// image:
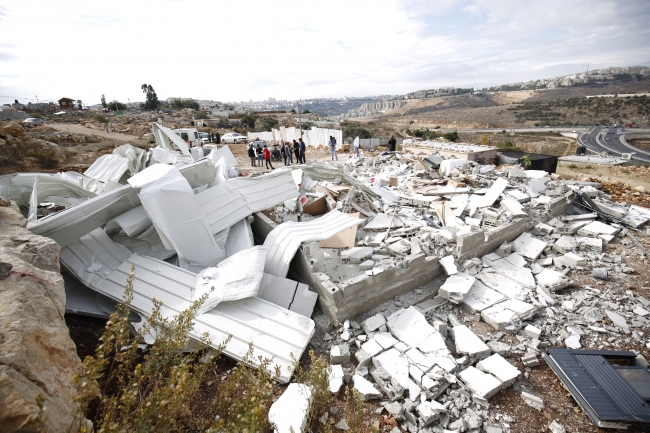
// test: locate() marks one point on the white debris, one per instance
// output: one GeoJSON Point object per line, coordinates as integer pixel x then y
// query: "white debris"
{"type": "Point", "coordinates": [456, 287]}
{"type": "Point", "coordinates": [291, 411]}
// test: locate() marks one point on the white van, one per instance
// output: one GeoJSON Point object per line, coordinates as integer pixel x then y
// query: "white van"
{"type": "Point", "coordinates": [189, 135]}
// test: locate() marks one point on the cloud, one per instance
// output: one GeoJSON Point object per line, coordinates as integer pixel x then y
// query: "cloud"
{"type": "Point", "coordinates": [290, 49]}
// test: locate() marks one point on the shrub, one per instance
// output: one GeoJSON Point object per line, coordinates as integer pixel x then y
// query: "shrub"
{"type": "Point", "coordinates": [249, 120]}
{"type": "Point", "coordinates": [451, 136]}
{"type": "Point", "coordinates": [100, 118]}
{"type": "Point", "coordinates": [573, 166]}
{"type": "Point", "coordinates": [437, 127]}
{"type": "Point", "coordinates": [307, 125]}
{"type": "Point", "coordinates": [200, 115]}
{"type": "Point", "coordinates": [588, 167]}
{"type": "Point", "coordinates": [47, 158]}
{"type": "Point", "coordinates": [268, 123]}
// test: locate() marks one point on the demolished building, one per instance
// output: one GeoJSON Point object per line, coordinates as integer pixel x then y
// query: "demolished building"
{"type": "Point", "coordinates": [351, 239]}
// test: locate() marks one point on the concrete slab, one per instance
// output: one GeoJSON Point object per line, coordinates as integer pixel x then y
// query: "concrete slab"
{"type": "Point", "coordinates": [290, 412]}
{"type": "Point", "coordinates": [456, 287]}
{"type": "Point", "coordinates": [523, 309]}
{"type": "Point", "coordinates": [365, 388]}
{"type": "Point", "coordinates": [498, 317]}
{"type": "Point", "coordinates": [397, 366]}
{"type": "Point", "coordinates": [480, 297]}
{"type": "Point", "coordinates": [434, 343]}
{"type": "Point", "coordinates": [339, 353]}
{"type": "Point", "coordinates": [467, 343]}
{"type": "Point", "coordinates": [529, 247]}
{"type": "Point", "coordinates": [519, 275]}
{"type": "Point", "coordinates": [498, 367]}
{"type": "Point", "coordinates": [410, 327]}
{"type": "Point", "coordinates": [356, 254]}
{"type": "Point", "coordinates": [430, 411]}
{"type": "Point", "coordinates": [431, 304]}
{"type": "Point", "coordinates": [516, 260]}
{"type": "Point", "coordinates": [595, 228]}
{"type": "Point", "coordinates": [448, 265]}
{"type": "Point", "coordinates": [510, 289]}
{"type": "Point", "coordinates": [335, 379]}
{"type": "Point", "coordinates": [482, 384]}
{"type": "Point", "coordinates": [420, 360]}
{"type": "Point", "coordinates": [371, 347]}
{"type": "Point", "coordinates": [385, 340]}
{"type": "Point", "coordinates": [565, 244]}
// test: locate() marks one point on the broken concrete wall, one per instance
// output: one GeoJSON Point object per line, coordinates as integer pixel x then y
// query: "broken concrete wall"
{"type": "Point", "coordinates": [37, 355]}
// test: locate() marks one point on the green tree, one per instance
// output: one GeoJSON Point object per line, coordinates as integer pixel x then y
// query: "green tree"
{"type": "Point", "coordinates": [352, 129]}
{"type": "Point", "coordinates": [268, 123]}
{"type": "Point", "coordinates": [249, 120]}
{"type": "Point", "coordinates": [292, 111]}
{"type": "Point", "coordinates": [79, 103]}
{"type": "Point", "coordinates": [484, 140]}
{"type": "Point", "coordinates": [152, 99]}
{"type": "Point", "coordinates": [451, 136]}
{"type": "Point", "coordinates": [306, 111]}
{"type": "Point", "coordinates": [104, 101]}
{"type": "Point", "coordinates": [116, 105]}
{"type": "Point", "coordinates": [191, 103]}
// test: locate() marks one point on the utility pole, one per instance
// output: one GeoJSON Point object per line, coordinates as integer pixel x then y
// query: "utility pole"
{"type": "Point", "coordinates": [299, 119]}
{"type": "Point", "coordinates": [587, 65]}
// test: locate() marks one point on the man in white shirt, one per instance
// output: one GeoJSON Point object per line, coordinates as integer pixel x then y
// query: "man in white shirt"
{"type": "Point", "coordinates": [356, 145]}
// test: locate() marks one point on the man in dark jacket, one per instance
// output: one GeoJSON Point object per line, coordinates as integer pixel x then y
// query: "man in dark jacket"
{"type": "Point", "coordinates": [296, 150]}
{"type": "Point", "coordinates": [303, 150]}
{"type": "Point", "coordinates": [251, 154]}
{"type": "Point", "coordinates": [260, 155]}
{"type": "Point", "coordinates": [392, 143]}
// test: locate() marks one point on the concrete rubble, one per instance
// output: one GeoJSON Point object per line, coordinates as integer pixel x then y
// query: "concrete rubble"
{"type": "Point", "coordinates": [506, 244]}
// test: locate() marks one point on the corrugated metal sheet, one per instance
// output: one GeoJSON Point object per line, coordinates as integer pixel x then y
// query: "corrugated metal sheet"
{"type": "Point", "coordinates": [283, 241]}
{"type": "Point", "coordinates": [50, 188]}
{"type": "Point", "coordinates": [240, 237]}
{"type": "Point", "coordinates": [70, 224]}
{"type": "Point", "coordinates": [235, 199]}
{"type": "Point", "coordinates": [108, 168]}
{"type": "Point", "coordinates": [274, 331]}
{"type": "Point", "coordinates": [164, 135]}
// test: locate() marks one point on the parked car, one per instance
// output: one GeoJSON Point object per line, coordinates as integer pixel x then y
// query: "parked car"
{"type": "Point", "coordinates": [33, 120]}
{"type": "Point", "coordinates": [233, 137]}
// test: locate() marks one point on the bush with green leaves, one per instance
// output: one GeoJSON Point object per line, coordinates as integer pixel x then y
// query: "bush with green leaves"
{"type": "Point", "coordinates": [451, 136]}
{"type": "Point", "coordinates": [100, 118]}
{"type": "Point", "coordinates": [200, 115]}
{"type": "Point", "coordinates": [116, 106]}
{"type": "Point", "coordinates": [268, 123]}
{"type": "Point", "coordinates": [354, 129]}
{"type": "Point", "coordinates": [249, 120]}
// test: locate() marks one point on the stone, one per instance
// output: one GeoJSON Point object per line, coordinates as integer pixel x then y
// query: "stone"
{"type": "Point", "coordinates": [335, 379]}
{"type": "Point", "coordinates": [456, 287]}
{"type": "Point", "coordinates": [467, 343]}
{"type": "Point", "coordinates": [483, 384]}
{"type": "Point", "coordinates": [480, 297]}
{"type": "Point", "coordinates": [498, 367]}
{"type": "Point", "coordinates": [448, 265]}
{"type": "Point", "coordinates": [291, 411]}
{"type": "Point", "coordinates": [533, 401]}
{"type": "Point", "coordinates": [430, 411]}
{"type": "Point", "coordinates": [372, 323]}
{"type": "Point", "coordinates": [37, 355]}
{"type": "Point", "coordinates": [528, 246]}
{"type": "Point", "coordinates": [556, 427]}
{"type": "Point", "coordinates": [410, 326]}
{"type": "Point", "coordinates": [342, 425]}
{"type": "Point", "coordinates": [5, 268]}
{"type": "Point", "coordinates": [339, 353]}
{"type": "Point", "coordinates": [365, 388]}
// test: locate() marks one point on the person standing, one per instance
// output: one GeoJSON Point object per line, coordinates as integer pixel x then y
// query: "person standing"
{"type": "Point", "coordinates": [333, 148]}
{"type": "Point", "coordinates": [260, 155]}
{"type": "Point", "coordinates": [267, 157]}
{"type": "Point", "coordinates": [218, 139]}
{"type": "Point", "coordinates": [282, 154]}
{"type": "Point", "coordinates": [392, 143]}
{"type": "Point", "coordinates": [303, 151]}
{"type": "Point", "coordinates": [251, 154]}
{"type": "Point", "coordinates": [296, 150]}
{"type": "Point", "coordinates": [356, 145]}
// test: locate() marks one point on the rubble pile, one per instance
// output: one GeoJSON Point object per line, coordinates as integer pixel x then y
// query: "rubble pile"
{"type": "Point", "coordinates": [14, 135]}
{"type": "Point", "coordinates": [622, 192]}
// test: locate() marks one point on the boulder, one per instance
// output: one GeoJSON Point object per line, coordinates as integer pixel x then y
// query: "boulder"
{"type": "Point", "coordinates": [37, 355]}
{"type": "Point", "coordinates": [14, 129]}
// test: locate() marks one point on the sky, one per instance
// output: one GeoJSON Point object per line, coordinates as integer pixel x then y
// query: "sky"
{"type": "Point", "coordinates": [252, 50]}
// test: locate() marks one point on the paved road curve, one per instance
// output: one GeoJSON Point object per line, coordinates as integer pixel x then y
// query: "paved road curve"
{"type": "Point", "coordinates": [612, 141]}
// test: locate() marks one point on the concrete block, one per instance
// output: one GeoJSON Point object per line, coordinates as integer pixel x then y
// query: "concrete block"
{"type": "Point", "coordinates": [356, 254]}
{"type": "Point", "coordinates": [482, 384]}
{"type": "Point", "coordinates": [552, 280]}
{"type": "Point", "coordinates": [430, 411]}
{"type": "Point", "coordinates": [372, 323]}
{"type": "Point", "coordinates": [565, 244]}
{"type": "Point", "coordinates": [410, 327]}
{"type": "Point", "coordinates": [441, 327]}
{"type": "Point", "coordinates": [498, 367]}
{"type": "Point", "coordinates": [574, 260]}
{"type": "Point", "coordinates": [456, 287]}
{"type": "Point", "coordinates": [290, 412]}
{"type": "Point", "coordinates": [371, 347]}
{"type": "Point", "coordinates": [467, 343]}
{"type": "Point", "coordinates": [595, 228]}
{"type": "Point", "coordinates": [502, 349]}
{"type": "Point", "coordinates": [533, 332]}
{"type": "Point", "coordinates": [530, 360]}
{"type": "Point", "coordinates": [480, 297]}
{"type": "Point", "coordinates": [591, 244]}
{"type": "Point", "coordinates": [498, 317]}
{"type": "Point", "coordinates": [365, 388]}
{"type": "Point", "coordinates": [397, 367]}
{"type": "Point", "coordinates": [529, 247]}
{"type": "Point", "coordinates": [387, 384]}
{"type": "Point", "coordinates": [533, 401]}
{"type": "Point", "coordinates": [339, 353]}
{"type": "Point", "coordinates": [448, 265]}
{"type": "Point", "coordinates": [335, 379]}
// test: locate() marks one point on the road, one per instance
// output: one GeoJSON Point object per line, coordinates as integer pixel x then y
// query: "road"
{"type": "Point", "coordinates": [612, 141]}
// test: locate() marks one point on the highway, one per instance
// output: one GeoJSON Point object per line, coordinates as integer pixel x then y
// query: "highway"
{"type": "Point", "coordinates": [612, 141]}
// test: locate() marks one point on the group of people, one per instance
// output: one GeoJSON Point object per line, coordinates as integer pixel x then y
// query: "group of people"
{"type": "Point", "coordinates": [214, 138]}
{"type": "Point", "coordinates": [287, 150]}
